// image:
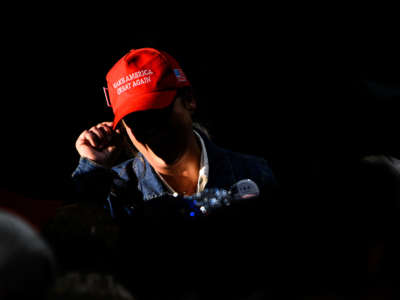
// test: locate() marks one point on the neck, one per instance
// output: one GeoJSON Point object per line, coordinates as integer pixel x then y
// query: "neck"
{"type": "Point", "coordinates": [182, 175]}
{"type": "Point", "coordinates": [186, 165]}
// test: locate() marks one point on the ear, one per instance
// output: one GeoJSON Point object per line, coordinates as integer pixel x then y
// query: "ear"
{"type": "Point", "coordinates": [190, 104]}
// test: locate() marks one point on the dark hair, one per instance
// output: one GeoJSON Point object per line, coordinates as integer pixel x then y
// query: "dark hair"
{"type": "Point", "coordinates": [187, 93]}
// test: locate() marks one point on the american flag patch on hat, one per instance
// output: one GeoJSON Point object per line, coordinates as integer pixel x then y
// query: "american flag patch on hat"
{"type": "Point", "coordinates": [180, 75]}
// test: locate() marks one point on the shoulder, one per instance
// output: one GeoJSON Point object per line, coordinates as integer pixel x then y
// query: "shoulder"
{"type": "Point", "coordinates": [252, 167]}
{"type": "Point", "coordinates": [131, 169]}
{"type": "Point", "coordinates": [242, 165]}
{"type": "Point", "coordinates": [125, 170]}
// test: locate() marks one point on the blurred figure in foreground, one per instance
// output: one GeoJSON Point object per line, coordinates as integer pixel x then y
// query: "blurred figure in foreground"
{"type": "Point", "coordinates": [27, 264]}
{"type": "Point", "coordinates": [91, 286]}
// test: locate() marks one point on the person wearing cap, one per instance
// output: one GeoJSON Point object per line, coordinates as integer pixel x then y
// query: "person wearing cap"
{"type": "Point", "coordinates": [153, 106]}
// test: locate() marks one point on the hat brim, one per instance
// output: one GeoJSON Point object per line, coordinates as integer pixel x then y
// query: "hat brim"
{"type": "Point", "coordinates": [154, 100]}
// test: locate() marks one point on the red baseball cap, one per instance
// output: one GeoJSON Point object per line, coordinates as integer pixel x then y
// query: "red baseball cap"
{"type": "Point", "coordinates": [143, 79]}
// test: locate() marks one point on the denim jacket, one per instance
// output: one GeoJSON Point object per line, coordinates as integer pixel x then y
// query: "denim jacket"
{"type": "Point", "coordinates": [127, 187]}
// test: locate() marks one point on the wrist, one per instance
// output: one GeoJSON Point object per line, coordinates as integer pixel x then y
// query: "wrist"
{"type": "Point", "coordinates": [95, 164]}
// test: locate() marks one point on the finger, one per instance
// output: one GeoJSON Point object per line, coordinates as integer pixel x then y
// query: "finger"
{"type": "Point", "coordinates": [111, 149]}
{"type": "Point", "coordinates": [81, 139]}
{"type": "Point", "coordinates": [99, 133]}
{"type": "Point", "coordinates": [107, 131]}
{"type": "Point", "coordinates": [106, 137]}
{"type": "Point", "coordinates": [108, 124]}
{"type": "Point", "coordinates": [92, 139]}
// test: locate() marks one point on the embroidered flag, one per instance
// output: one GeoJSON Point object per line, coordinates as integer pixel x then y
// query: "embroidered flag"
{"type": "Point", "coordinates": [180, 76]}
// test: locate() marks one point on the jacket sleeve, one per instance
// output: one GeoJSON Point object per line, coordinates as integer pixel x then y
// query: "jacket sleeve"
{"type": "Point", "coordinates": [91, 181]}
{"type": "Point", "coordinates": [97, 184]}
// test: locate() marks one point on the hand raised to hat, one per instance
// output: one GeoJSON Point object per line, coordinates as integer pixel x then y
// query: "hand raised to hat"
{"type": "Point", "coordinates": [100, 144]}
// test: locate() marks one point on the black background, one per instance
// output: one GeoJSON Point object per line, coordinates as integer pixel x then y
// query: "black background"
{"type": "Point", "coordinates": [290, 86]}
{"type": "Point", "coordinates": [311, 89]}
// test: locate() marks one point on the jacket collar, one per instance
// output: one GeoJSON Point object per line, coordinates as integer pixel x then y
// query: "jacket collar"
{"type": "Point", "coordinates": [220, 172]}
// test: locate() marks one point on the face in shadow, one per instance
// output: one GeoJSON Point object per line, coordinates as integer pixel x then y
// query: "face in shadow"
{"type": "Point", "coordinates": [162, 134]}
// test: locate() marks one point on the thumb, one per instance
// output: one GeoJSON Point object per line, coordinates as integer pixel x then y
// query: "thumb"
{"type": "Point", "coordinates": [111, 148]}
